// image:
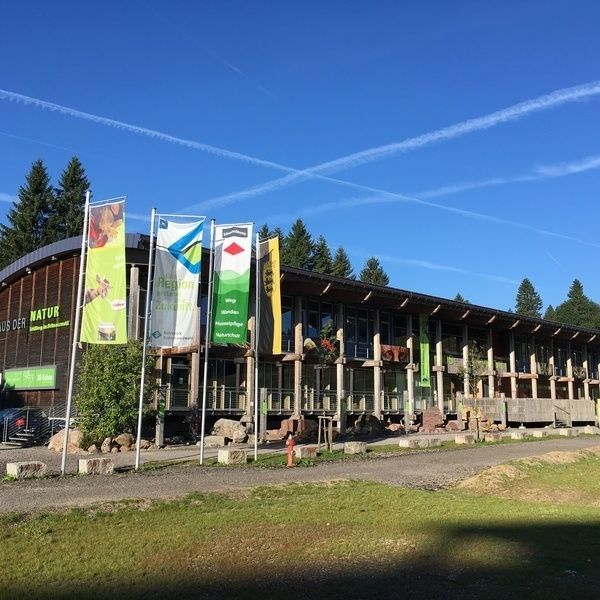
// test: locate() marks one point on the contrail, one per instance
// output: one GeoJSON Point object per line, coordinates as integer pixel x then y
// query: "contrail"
{"type": "Point", "coordinates": [512, 113]}
{"type": "Point", "coordinates": [165, 137]}
{"type": "Point", "coordinates": [33, 141]}
{"type": "Point", "coordinates": [539, 173]}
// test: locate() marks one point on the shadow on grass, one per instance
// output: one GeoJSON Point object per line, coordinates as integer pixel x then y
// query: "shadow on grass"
{"type": "Point", "coordinates": [528, 561]}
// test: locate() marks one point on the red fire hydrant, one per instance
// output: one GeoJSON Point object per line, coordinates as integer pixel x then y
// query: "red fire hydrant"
{"type": "Point", "coordinates": [290, 443]}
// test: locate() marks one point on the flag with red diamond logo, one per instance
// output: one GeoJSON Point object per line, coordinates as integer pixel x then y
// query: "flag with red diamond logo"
{"type": "Point", "coordinates": [231, 276]}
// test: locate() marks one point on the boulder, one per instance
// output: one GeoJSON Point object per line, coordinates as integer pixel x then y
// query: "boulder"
{"type": "Point", "coordinates": [435, 442]}
{"type": "Point", "coordinates": [234, 430]}
{"type": "Point", "coordinates": [395, 428]}
{"type": "Point", "coordinates": [56, 442]}
{"type": "Point", "coordinates": [306, 452]}
{"type": "Point", "coordinates": [565, 432]}
{"type": "Point", "coordinates": [432, 419]}
{"type": "Point", "coordinates": [214, 441]}
{"type": "Point", "coordinates": [409, 442]}
{"type": "Point", "coordinates": [517, 435]}
{"type": "Point", "coordinates": [464, 438]}
{"type": "Point", "coordinates": [273, 435]}
{"type": "Point", "coordinates": [106, 446]}
{"type": "Point", "coordinates": [492, 437]}
{"type": "Point", "coordinates": [125, 439]}
{"type": "Point", "coordinates": [144, 445]}
{"type": "Point", "coordinates": [114, 450]}
{"type": "Point", "coordinates": [26, 470]}
{"type": "Point", "coordinates": [452, 426]}
{"type": "Point", "coordinates": [368, 425]}
{"type": "Point", "coordinates": [93, 449]}
{"type": "Point", "coordinates": [96, 466]}
{"type": "Point", "coordinates": [540, 434]}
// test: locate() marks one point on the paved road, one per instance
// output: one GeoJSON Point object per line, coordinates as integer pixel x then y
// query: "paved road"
{"type": "Point", "coordinates": [427, 470]}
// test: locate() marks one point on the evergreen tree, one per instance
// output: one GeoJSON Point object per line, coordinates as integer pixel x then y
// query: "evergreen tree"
{"type": "Point", "coordinates": [459, 298]}
{"type": "Point", "coordinates": [28, 217]}
{"type": "Point", "coordinates": [321, 258]}
{"type": "Point", "coordinates": [550, 313]}
{"type": "Point", "coordinates": [297, 249]}
{"type": "Point", "coordinates": [264, 233]}
{"type": "Point", "coordinates": [66, 218]}
{"type": "Point", "coordinates": [528, 302]}
{"type": "Point", "coordinates": [341, 266]}
{"type": "Point", "coordinates": [373, 272]}
{"type": "Point", "coordinates": [578, 309]}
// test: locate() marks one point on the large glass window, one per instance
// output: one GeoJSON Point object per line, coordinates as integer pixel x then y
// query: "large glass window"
{"type": "Point", "coordinates": [287, 323]}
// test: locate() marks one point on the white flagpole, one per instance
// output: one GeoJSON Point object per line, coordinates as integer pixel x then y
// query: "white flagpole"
{"type": "Point", "coordinates": [207, 336]}
{"type": "Point", "coordinates": [82, 256]}
{"type": "Point", "coordinates": [256, 331]}
{"type": "Point", "coordinates": [145, 339]}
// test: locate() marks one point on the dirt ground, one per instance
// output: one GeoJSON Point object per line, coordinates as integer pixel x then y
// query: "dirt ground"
{"type": "Point", "coordinates": [425, 470]}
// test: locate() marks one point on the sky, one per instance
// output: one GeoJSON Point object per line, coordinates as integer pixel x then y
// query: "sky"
{"type": "Point", "coordinates": [455, 141]}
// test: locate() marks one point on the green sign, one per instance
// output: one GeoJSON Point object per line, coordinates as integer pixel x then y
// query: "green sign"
{"type": "Point", "coordinates": [424, 343]}
{"type": "Point", "coordinates": [31, 378]}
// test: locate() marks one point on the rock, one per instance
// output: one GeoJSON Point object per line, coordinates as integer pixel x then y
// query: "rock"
{"type": "Point", "coordinates": [106, 446]}
{"type": "Point", "coordinates": [368, 425]}
{"type": "Point", "coordinates": [234, 430]}
{"type": "Point", "coordinates": [413, 443]}
{"type": "Point", "coordinates": [232, 457]}
{"type": "Point", "coordinates": [124, 448]}
{"type": "Point", "coordinates": [114, 450]}
{"type": "Point", "coordinates": [395, 428]}
{"type": "Point", "coordinates": [75, 440]}
{"type": "Point", "coordinates": [435, 442]}
{"type": "Point", "coordinates": [93, 449]}
{"type": "Point", "coordinates": [540, 434]}
{"type": "Point", "coordinates": [589, 430]}
{"type": "Point", "coordinates": [26, 470]}
{"type": "Point", "coordinates": [501, 427]}
{"type": "Point", "coordinates": [464, 438]}
{"type": "Point", "coordinates": [96, 466]}
{"type": "Point", "coordinates": [565, 432]}
{"type": "Point", "coordinates": [306, 452]}
{"type": "Point", "coordinates": [494, 427]}
{"type": "Point", "coordinates": [452, 426]}
{"type": "Point", "coordinates": [144, 445]}
{"type": "Point", "coordinates": [432, 419]}
{"type": "Point", "coordinates": [273, 435]}
{"type": "Point", "coordinates": [517, 435]}
{"type": "Point", "coordinates": [492, 437]}
{"type": "Point", "coordinates": [355, 448]}
{"type": "Point", "coordinates": [301, 428]}
{"type": "Point", "coordinates": [214, 441]}
{"type": "Point", "coordinates": [125, 439]}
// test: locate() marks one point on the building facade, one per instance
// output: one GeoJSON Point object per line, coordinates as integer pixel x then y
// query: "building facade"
{"type": "Point", "coordinates": [348, 348]}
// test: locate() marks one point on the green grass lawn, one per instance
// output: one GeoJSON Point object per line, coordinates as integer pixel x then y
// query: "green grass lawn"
{"type": "Point", "coordinates": [346, 540]}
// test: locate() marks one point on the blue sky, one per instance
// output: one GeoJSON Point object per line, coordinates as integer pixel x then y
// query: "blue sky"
{"type": "Point", "coordinates": [296, 85]}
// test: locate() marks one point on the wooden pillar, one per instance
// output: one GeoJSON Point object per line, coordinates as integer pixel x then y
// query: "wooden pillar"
{"type": "Point", "coordinates": [551, 361]}
{"type": "Point", "coordinates": [570, 371]}
{"type": "Point", "coordinates": [377, 388]}
{"type": "Point", "coordinates": [533, 370]}
{"type": "Point", "coordinates": [586, 385]}
{"type": "Point", "coordinates": [465, 353]}
{"type": "Point", "coordinates": [339, 371]}
{"type": "Point", "coordinates": [410, 374]}
{"type": "Point", "coordinates": [439, 363]}
{"type": "Point", "coordinates": [298, 351]}
{"type": "Point", "coordinates": [490, 363]}
{"type": "Point", "coordinates": [513, 365]}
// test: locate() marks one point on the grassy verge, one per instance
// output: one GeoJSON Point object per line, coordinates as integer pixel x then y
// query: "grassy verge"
{"type": "Point", "coordinates": [343, 540]}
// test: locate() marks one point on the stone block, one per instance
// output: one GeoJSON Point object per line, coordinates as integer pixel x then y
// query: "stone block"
{"type": "Point", "coordinates": [566, 432]}
{"type": "Point", "coordinates": [232, 457]}
{"type": "Point", "coordinates": [434, 442]}
{"type": "Point", "coordinates": [464, 438]}
{"type": "Point", "coordinates": [26, 470]}
{"type": "Point", "coordinates": [214, 441]}
{"type": "Point", "coordinates": [96, 466]}
{"type": "Point", "coordinates": [493, 438]}
{"type": "Point", "coordinates": [412, 443]}
{"type": "Point", "coordinates": [540, 434]}
{"type": "Point", "coordinates": [517, 435]}
{"type": "Point", "coordinates": [590, 430]}
{"type": "Point", "coordinates": [355, 448]}
{"type": "Point", "coordinates": [306, 452]}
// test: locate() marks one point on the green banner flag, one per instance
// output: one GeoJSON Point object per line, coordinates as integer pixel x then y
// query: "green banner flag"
{"type": "Point", "coordinates": [424, 344]}
{"type": "Point", "coordinates": [104, 303]}
{"type": "Point", "coordinates": [233, 245]}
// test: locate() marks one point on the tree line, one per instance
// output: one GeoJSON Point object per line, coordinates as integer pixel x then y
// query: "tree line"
{"type": "Point", "coordinates": [42, 213]}
{"type": "Point", "coordinates": [299, 249]}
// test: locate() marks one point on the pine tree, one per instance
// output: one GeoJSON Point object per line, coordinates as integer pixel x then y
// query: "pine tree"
{"type": "Point", "coordinates": [264, 233]}
{"type": "Point", "coordinates": [298, 247]}
{"type": "Point", "coordinates": [28, 217]}
{"type": "Point", "coordinates": [321, 258]}
{"type": "Point", "coordinates": [578, 309]}
{"type": "Point", "coordinates": [550, 314]}
{"type": "Point", "coordinates": [66, 219]}
{"type": "Point", "coordinates": [459, 298]}
{"type": "Point", "coordinates": [373, 273]}
{"type": "Point", "coordinates": [528, 302]}
{"type": "Point", "coordinates": [342, 267]}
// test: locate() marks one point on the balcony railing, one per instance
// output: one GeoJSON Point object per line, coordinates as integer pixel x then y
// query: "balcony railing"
{"type": "Point", "coordinates": [279, 400]}
{"type": "Point", "coordinates": [360, 402]}
{"type": "Point", "coordinates": [226, 399]}
{"type": "Point", "coordinates": [313, 401]}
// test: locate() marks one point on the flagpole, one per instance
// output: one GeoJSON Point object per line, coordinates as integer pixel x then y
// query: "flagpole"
{"type": "Point", "coordinates": [145, 342]}
{"type": "Point", "coordinates": [256, 332]}
{"type": "Point", "coordinates": [207, 336]}
{"type": "Point", "coordinates": [86, 211]}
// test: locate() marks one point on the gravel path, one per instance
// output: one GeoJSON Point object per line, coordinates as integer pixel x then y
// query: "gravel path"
{"type": "Point", "coordinates": [426, 470]}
